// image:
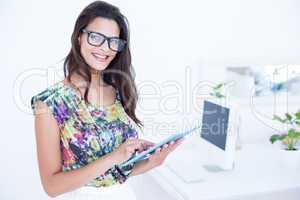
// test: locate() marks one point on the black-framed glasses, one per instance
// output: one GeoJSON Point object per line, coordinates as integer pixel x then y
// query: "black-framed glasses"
{"type": "Point", "coordinates": [97, 39]}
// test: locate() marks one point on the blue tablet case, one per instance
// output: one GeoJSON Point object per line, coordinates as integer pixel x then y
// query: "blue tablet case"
{"type": "Point", "coordinates": [141, 156]}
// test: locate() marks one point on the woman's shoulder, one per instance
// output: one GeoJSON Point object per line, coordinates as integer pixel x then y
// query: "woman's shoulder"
{"type": "Point", "coordinates": [48, 94]}
{"type": "Point", "coordinates": [58, 97]}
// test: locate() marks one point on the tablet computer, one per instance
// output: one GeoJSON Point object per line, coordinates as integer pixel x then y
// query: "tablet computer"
{"type": "Point", "coordinates": [142, 155]}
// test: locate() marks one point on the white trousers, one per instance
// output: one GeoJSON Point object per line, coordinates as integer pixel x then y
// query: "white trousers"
{"type": "Point", "coordinates": [115, 192]}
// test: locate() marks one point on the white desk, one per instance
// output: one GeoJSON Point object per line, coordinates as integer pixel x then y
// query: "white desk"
{"type": "Point", "coordinates": [257, 175]}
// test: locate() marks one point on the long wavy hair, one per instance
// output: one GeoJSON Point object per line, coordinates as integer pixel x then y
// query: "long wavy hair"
{"type": "Point", "coordinates": [119, 73]}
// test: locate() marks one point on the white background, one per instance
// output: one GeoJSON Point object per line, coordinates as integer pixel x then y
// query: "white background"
{"type": "Point", "coordinates": [167, 36]}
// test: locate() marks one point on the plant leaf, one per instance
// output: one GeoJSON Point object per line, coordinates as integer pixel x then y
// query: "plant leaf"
{"type": "Point", "coordinates": [293, 133]}
{"type": "Point", "coordinates": [297, 134]}
{"type": "Point", "coordinates": [277, 118]}
{"type": "Point", "coordinates": [218, 86]}
{"type": "Point", "coordinates": [288, 116]}
{"type": "Point", "coordinates": [219, 95]}
{"type": "Point", "coordinates": [277, 137]}
{"type": "Point", "coordinates": [297, 114]}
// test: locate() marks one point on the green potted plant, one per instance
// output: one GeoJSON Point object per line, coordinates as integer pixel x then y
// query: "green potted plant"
{"type": "Point", "coordinates": [292, 137]}
{"type": "Point", "coordinates": [290, 141]}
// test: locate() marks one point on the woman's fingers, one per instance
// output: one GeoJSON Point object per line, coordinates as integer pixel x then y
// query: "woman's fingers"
{"type": "Point", "coordinates": [132, 144]}
{"type": "Point", "coordinates": [180, 140]}
{"type": "Point", "coordinates": [157, 151]}
{"type": "Point", "coordinates": [131, 149]}
{"type": "Point", "coordinates": [140, 144]}
{"type": "Point", "coordinates": [169, 146]}
{"type": "Point", "coordinates": [161, 152]}
{"type": "Point", "coordinates": [146, 144]}
{"type": "Point", "coordinates": [176, 144]}
{"type": "Point", "coordinates": [148, 156]}
{"type": "Point", "coordinates": [172, 145]}
{"type": "Point", "coordinates": [136, 146]}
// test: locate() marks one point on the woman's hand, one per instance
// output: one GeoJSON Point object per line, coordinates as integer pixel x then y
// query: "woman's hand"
{"type": "Point", "coordinates": [123, 152]}
{"type": "Point", "coordinates": [157, 158]}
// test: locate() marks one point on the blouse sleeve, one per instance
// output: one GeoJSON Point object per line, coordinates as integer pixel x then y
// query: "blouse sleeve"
{"type": "Point", "coordinates": [54, 102]}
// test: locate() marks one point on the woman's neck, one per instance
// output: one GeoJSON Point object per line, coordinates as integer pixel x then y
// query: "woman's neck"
{"type": "Point", "coordinates": [96, 80]}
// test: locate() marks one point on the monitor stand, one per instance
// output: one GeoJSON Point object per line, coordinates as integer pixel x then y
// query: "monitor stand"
{"type": "Point", "coordinates": [213, 168]}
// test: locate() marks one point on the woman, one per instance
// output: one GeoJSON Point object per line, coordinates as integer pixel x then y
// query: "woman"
{"type": "Point", "coordinates": [86, 124]}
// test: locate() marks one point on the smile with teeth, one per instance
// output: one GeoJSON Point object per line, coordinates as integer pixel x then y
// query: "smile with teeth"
{"type": "Point", "coordinates": [100, 57]}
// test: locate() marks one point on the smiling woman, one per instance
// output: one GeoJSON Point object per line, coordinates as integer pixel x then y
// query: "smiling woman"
{"type": "Point", "coordinates": [86, 125]}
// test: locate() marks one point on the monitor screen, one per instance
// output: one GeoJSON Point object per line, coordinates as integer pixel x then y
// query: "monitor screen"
{"type": "Point", "coordinates": [215, 124]}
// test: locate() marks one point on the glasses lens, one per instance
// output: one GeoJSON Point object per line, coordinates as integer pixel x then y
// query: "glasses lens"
{"type": "Point", "coordinates": [117, 44]}
{"type": "Point", "coordinates": [96, 39]}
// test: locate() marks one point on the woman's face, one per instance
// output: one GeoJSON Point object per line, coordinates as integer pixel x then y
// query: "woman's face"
{"type": "Point", "coordinates": [99, 58]}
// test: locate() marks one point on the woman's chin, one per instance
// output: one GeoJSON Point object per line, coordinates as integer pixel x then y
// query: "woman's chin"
{"type": "Point", "coordinates": [98, 67]}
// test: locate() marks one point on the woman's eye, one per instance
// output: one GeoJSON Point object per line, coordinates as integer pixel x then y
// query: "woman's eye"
{"type": "Point", "coordinates": [114, 43]}
{"type": "Point", "coordinates": [96, 38]}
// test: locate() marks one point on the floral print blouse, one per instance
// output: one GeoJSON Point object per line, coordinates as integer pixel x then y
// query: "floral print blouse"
{"type": "Point", "coordinates": [88, 132]}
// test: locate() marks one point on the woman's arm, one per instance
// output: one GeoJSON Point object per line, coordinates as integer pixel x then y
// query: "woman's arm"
{"type": "Point", "coordinates": [155, 159]}
{"type": "Point", "coordinates": [55, 181]}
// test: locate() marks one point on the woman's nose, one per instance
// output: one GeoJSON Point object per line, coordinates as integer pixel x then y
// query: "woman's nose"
{"type": "Point", "coordinates": [105, 46]}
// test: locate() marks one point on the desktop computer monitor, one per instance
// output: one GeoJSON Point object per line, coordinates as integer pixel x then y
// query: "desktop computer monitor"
{"type": "Point", "coordinates": [218, 135]}
{"type": "Point", "coordinates": [211, 150]}
{"type": "Point", "coordinates": [215, 124]}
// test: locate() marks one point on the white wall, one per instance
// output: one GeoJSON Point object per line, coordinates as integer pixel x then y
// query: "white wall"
{"type": "Point", "coordinates": [167, 36]}
{"type": "Point", "coordinates": [220, 32]}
